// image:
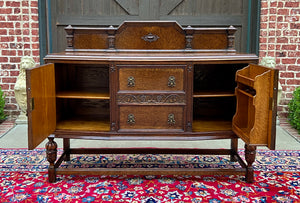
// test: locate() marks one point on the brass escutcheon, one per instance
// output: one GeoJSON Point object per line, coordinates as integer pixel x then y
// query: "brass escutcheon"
{"type": "Point", "coordinates": [171, 119]}
{"type": "Point", "coordinates": [171, 81]}
{"type": "Point", "coordinates": [131, 81]}
{"type": "Point", "coordinates": [131, 119]}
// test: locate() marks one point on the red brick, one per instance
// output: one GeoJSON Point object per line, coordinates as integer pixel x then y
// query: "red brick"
{"type": "Point", "coordinates": [9, 80]}
{"type": "Point", "coordinates": [282, 40]}
{"type": "Point", "coordinates": [27, 53]}
{"type": "Point", "coordinates": [34, 4]}
{"type": "Point", "coordinates": [35, 39]}
{"type": "Point", "coordinates": [292, 18]}
{"type": "Point", "coordinates": [297, 75]}
{"type": "Point", "coordinates": [295, 25]}
{"type": "Point", "coordinates": [282, 25]}
{"type": "Point", "coordinates": [34, 10]}
{"type": "Point", "coordinates": [20, 53]}
{"type": "Point", "coordinates": [34, 31]}
{"type": "Point", "coordinates": [295, 11]}
{"type": "Point", "coordinates": [293, 82]}
{"type": "Point", "coordinates": [292, 4]}
{"type": "Point", "coordinates": [26, 46]}
{"type": "Point", "coordinates": [294, 54]}
{"type": "Point", "coordinates": [34, 25]}
{"type": "Point", "coordinates": [13, 4]}
{"type": "Point", "coordinates": [15, 59]}
{"type": "Point", "coordinates": [25, 18]}
{"type": "Point", "coordinates": [15, 32]}
{"type": "Point", "coordinates": [7, 24]}
{"type": "Point", "coordinates": [36, 52]}
{"type": "Point", "coordinates": [294, 68]}
{"type": "Point", "coordinates": [273, 4]}
{"type": "Point", "coordinates": [11, 106]}
{"type": "Point", "coordinates": [280, 5]}
{"type": "Point", "coordinates": [8, 52]}
{"type": "Point", "coordinates": [35, 18]}
{"type": "Point", "coordinates": [289, 47]}
{"type": "Point", "coordinates": [3, 60]}
{"type": "Point", "coordinates": [273, 10]}
{"type": "Point", "coordinates": [5, 86]}
{"type": "Point", "coordinates": [14, 73]}
{"type": "Point", "coordinates": [17, 10]}
{"type": "Point", "coordinates": [26, 32]}
{"type": "Point", "coordinates": [7, 39]}
{"type": "Point", "coordinates": [14, 18]}
{"type": "Point", "coordinates": [25, 3]}
{"type": "Point", "coordinates": [5, 11]}
{"type": "Point", "coordinates": [3, 32]}
{"type": "Point", "coordinates": [288, 61]}
{"type": "Point", "coordinates": [281, 54]}
{"type": "Point", "coordinates": [287, 75]}
{"type": "Point", "coordinates": [283, 12]}
{"type": "Point", "coordinates": [264, 11]}
{"type": "Point", "coordinates": [1, 3]}
{"type": "Point", "coordinates": [35, 46]}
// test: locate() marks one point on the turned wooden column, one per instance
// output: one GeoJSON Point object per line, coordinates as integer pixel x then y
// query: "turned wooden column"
{"type": "Point", "coordinates": [51, 151]}
{"type": "Point", "coordinates": [250, 153]}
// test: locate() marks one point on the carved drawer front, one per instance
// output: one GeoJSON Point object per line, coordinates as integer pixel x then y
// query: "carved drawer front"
{"type": "Point", "coordinates": [151, 117]}
{"type": "Point", "coordinates": [161, 78]}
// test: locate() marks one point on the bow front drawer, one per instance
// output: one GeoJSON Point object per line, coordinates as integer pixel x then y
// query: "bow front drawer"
{"type": "Point", "coordinates": [154, 78]}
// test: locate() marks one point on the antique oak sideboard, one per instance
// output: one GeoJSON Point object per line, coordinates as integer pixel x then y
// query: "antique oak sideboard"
{"type": "Point", "coordinates": [151, 81]}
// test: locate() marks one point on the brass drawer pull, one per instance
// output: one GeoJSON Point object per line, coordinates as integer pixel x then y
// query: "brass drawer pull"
{"type": "Point", "coordinates": [171, 119]}
{"type": "Point", "coordinates": [131, 119]}
{"type": "Point", "coordinates": [131, 81]}
{"type": "Point", "coordinates": [171, 81]}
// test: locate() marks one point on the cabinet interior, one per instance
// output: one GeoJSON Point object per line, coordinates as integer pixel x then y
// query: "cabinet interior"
{"type": "Point", "coordinates": [214, 100]}
{"type": "Point", "coordinates": [82, 97]}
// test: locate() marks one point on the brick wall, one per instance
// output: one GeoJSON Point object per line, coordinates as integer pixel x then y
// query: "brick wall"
{"type": "Point", "coordinates": [280, 38]}
{"type": "Point", "coordinates": [18, 37]}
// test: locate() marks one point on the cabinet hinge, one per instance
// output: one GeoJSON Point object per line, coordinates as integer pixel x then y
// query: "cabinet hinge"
{"type": "Point", "coordinates": [31, 107]}
{"type": "Point", "coordinates": [271, 103]}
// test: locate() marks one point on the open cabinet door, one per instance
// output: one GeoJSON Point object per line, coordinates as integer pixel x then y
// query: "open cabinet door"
{"type": "Point", "coordinates": [41, 109]}
{"type": "Point", "coordinates": [256, 94]}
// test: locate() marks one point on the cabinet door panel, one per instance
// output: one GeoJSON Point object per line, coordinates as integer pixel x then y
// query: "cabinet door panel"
{"type": "Point", "coordinates": [41, 104]}
{"type": "Point", "coordinates": [255, 118]}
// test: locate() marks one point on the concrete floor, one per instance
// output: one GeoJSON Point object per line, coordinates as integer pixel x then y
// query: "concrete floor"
{"type": "Point", "coordinates": [17, 138]}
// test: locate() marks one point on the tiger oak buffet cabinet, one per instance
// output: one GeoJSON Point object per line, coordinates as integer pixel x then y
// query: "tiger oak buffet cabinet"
{"type": "Point", "coordinates": [151, 81]}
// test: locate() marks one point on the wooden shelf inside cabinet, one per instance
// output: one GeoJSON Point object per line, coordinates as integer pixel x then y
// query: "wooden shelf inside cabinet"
{"type": "Point", "coordinates": [87, 94]}
{"type": "Point", "coordinates": [84, 124]}
{"type": "Point", "coordinates": [206, 125]}
{"type": "Point", "coordinates": [213, 94]}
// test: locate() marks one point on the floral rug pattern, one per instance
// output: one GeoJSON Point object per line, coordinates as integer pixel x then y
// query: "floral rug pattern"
{"type": "Point", "coordinates": [23, 178]}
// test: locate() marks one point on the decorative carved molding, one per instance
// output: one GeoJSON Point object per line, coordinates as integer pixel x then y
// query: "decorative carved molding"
{"type": "Point", "coordinates": [231, 38]}
{"type": "Point", "coordinates": [70, 37]}
{"type": "Point", "coordinates": [150, 37]}
{"type": "Point", "coordinates": [156, 99]}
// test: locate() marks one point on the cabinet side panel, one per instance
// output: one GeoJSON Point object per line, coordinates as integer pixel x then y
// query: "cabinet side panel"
{"type": "Point", "coordinates": [41, 104]}
{"type": "Point", "coordinates": [273, 109]}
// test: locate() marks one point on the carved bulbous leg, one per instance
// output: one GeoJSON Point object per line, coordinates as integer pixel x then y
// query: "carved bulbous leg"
{"type": "Point", "coordinates": [250, 153]}
{"type": "Point", "coordinates": [51, 151]}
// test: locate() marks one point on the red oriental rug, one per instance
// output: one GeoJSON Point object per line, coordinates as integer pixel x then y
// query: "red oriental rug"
{"type": "Point", "coordinates": [23, 178]}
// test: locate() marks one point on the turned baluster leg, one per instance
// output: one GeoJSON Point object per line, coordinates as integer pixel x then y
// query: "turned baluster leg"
{"type": "Point", "coordinates": [51, 151]}
{"type": "Point", "coordinates": [250, 153]}
{"type": "Point", "coordinates": [67, 148]}
{"type": "Point", "coordinates": [234, 146]}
